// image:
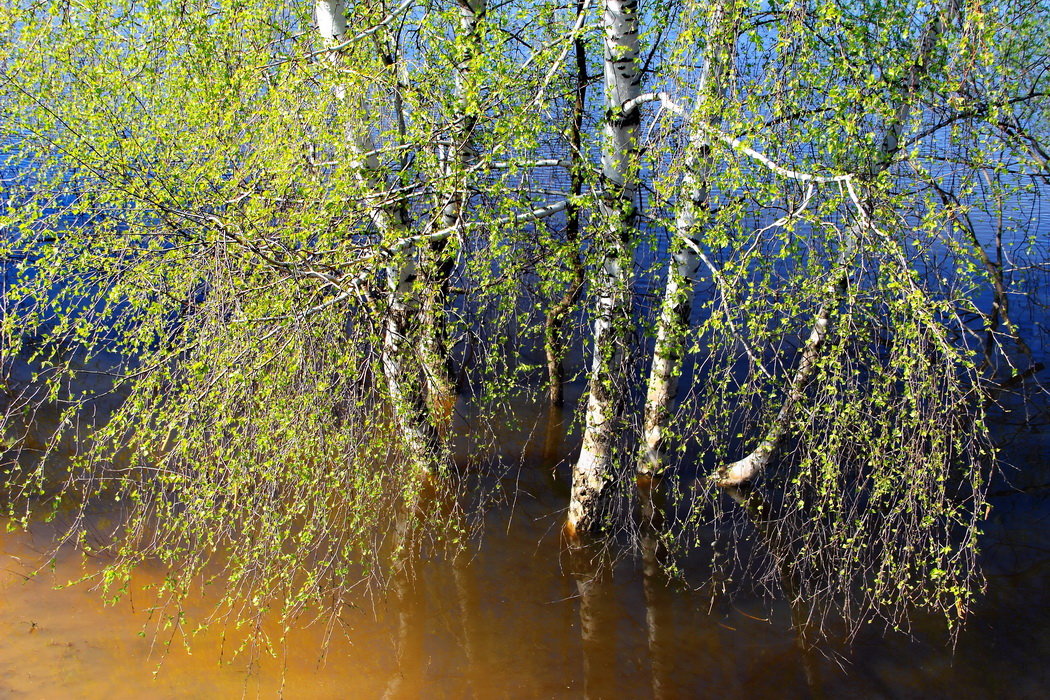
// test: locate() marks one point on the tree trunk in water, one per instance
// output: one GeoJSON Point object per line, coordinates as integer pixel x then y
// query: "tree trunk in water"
{"type": "Point", "coordinates": [440, 259]}
{"type": "Point", "coordinates": [677, 305]}
{"type": "Point", "coordinates": [404, 383]}
{"type": "Point", "coordinates": [553, 333]}
{"type": "Point", "coordinates": [593, 475]}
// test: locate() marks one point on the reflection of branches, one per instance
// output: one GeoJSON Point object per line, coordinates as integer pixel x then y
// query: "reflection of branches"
{"type": "Point", "coordinates": [760, 513]}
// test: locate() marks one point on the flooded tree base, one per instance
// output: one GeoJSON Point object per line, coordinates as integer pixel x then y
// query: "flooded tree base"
{"type": "Point", "coordinates": [521, 615]}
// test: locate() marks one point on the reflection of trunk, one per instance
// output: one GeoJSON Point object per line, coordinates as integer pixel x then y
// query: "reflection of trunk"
{"type": "Point", "coordinates": [658, 597]}
{"type": "Point", "coordinates": [761, 516]}
{"type": "Point", "coordinates": [452, 200]}
{"type": "Point", "coordinates": [676, 308]}
{"type": "Point", "coordinates": [752, 465]}
{"type": "Point", "coordinates": [404, 386]}
{"type": "Point", "coordinates": [434, 504]}
{"type": "Point", "coordinates": [407, 597]}
{"type": "Point", "coordinates": [593, 475]}
{"type": "Point", "coordinates": [466, 594]}
{"type": "Point", "coordinates": [553, 335]}
{"type": "Point", "coordinates": [592, 571]}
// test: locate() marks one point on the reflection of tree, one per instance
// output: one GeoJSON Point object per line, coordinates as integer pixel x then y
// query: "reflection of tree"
{"type": "Point", "coordinates": [658, 595]}
{"type": "Point", "coordinates": [407, 599]}
{"type": "Point", "coordinates": [415, 547]}
{"type": "Point", "coordinates": [591, 568]}
{"type": "Point", "coordinates": [778, 546]}
{"type": "Point", "coordinates": [407, 596]}
{"type": "Point", "coordinates": [467, 603]}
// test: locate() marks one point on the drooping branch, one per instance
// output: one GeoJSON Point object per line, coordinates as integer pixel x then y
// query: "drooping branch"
{"type": "Point", "coordinates": [748, 468]}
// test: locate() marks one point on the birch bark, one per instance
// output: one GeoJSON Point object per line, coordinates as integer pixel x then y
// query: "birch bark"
{"type": "Point", "coordinates": [593, 473]}
{"type": "Point", "coordinates": [679, 290]}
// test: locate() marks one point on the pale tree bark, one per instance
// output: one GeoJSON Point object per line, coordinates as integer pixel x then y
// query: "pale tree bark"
{"type": "Point", "coordinates": [593, 474]}
{"type": "Point", "coordinates": [592, 572]}
{"type": "Point", "coordinates": [691, 217]}
{"type": "Point", "coordinates": [403, 378]}
{"type": "Point", "coordinates": [456, 157]}
{"type": "Point", "coordinates": [659, 616]}
{"type": "Point", "coordinates": [554, 340]}
{"type": "Point", "coordinates": [748, 468]}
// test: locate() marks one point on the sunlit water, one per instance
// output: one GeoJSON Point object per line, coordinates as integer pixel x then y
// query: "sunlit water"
{"type": "Point", "coordinates": [508, 624]}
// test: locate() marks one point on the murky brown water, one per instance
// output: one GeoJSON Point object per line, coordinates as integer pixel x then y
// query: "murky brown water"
{"type": "Point", "coordinates": [523, 619]}
{"type": "Point", "coordinates": [517, 622]}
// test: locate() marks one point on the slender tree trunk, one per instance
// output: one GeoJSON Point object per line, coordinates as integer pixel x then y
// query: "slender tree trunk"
{"type": "Point", "coordinates": [593, 475]}
{"type": "Point", "coordinates": [553, 335]}
{"type": "Point", "coordinates": [676, 308]}
{"type": "Point", "coordinates": [452, 200]}
{"type": "Point", "coordinates": [745, 470]}
{"type": "Point", "coordinates": [400, 332]}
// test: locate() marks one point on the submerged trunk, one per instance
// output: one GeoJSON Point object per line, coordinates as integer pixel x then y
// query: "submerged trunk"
{"type": "Point", "coordinates": [593, 475]}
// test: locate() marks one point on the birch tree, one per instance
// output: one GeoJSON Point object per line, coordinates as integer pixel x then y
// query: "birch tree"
{"type": "Point", "coordinates": [279, 239]}
{"type": "Point", "coordinates": [595, 471]}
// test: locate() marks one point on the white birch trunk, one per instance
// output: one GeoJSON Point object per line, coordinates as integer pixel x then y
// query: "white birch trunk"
{"type": "Point", "coordinates": [593, 473]}
{"type": "Point", "coordinates": [404, 387]}
{"type": "Point", "coordinates": [676, 308]}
